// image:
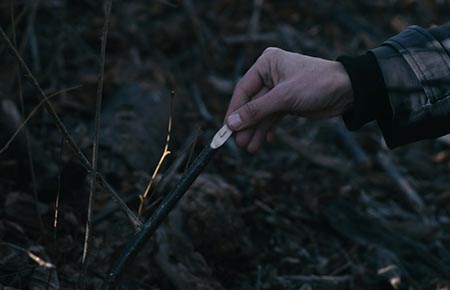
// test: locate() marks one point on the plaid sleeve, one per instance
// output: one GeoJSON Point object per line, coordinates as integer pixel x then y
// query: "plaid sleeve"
{"type": "Point", "coordinates": [415, 65]}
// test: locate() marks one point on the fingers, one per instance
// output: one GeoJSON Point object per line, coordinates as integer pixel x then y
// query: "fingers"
{"type": "Point", "coordinates": [256, 110]}
{"type": "Point", "coordinates": [250, 84]}
{"type": "Point", "coordinates": [259, 135]}
{"type": "Point", "coordinates": [244, 137]}
{"type": "Point", "coordinates": [253, 138]}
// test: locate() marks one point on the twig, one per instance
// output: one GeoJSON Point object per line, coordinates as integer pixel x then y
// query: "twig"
{"type": "Point", "coordinates": [408, 193]}
{"type": "Point", "coordinates": [55, 216]}
{"type": "Point", "coordinates": [189, 156]}
{"type": "Point", "coordinates": [32, 256]}
{"type": "Point", "coordinates": [152, 224]}
{"type": "Point", "coordinates": [98, 108]}
{"type": "Point", "coordinates": [61, 127]}
{"type": "Point", "coordinates": [209, 119]}
{"type": "Point", "coordinates": [253, 27]}
{"type": "Point", "coordinates": [27, 136]}
{"type": "Point", "coordinates": [201, 106]}
{"type": "Point", "coordinates": [162, 185]}
{"type": "Point", "coordinates": [165, 153]}
{"type": "Point", "coordinates": [349, 142]}
{"type": "Point", "coordinates": [173, 168]}
{"type": "Point", "coordinates": [389, 268]}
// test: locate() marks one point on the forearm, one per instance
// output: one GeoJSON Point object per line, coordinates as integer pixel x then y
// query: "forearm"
{"type": "Point", "coordinates": [413, 100]}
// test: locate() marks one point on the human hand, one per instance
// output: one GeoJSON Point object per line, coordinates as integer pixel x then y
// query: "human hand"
{"type": "Point", "coordinates": [281, 83]}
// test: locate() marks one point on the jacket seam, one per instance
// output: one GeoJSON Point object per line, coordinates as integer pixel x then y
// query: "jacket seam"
{"type": "Point", "coordinates": [436, 44]}
{"type": "Point", "coordinates": [407, 55]}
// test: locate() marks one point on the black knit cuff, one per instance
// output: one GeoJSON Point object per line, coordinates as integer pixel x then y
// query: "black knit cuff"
{"type": "Point", "coordinates": [371, 101]}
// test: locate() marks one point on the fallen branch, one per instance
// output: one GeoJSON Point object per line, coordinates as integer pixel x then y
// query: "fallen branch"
{"type": "Point", "coordinates": [349, 142]}
{"type": "Point", "coordinates": [150, 226]}
{"type": "Point", "coordinates": [408, 193]}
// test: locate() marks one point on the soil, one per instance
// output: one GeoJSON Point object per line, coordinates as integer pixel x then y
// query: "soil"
{"type": "Point", "coordinates": [305, 212]}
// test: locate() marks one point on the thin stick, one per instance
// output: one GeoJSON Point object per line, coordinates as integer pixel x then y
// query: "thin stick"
{"type": "Point", "coordinates": [152, 224]}
{"type": "Point", "coordinates": [55, 219]}
{"type": "Point", "coordinates": [162, 184]}
{"type": "Point", "coordinates": [61, 127]}
{"type": "Point", "coordinates": [408, 193]}
{"type": "Point", "coordinates": [351, 144]}
{"type": "Point", "coordinates": [165, 153]}
{"type": "Point", "coordinates": [27, 136]}
{"type": "Point", "coordinates": [93, 181]}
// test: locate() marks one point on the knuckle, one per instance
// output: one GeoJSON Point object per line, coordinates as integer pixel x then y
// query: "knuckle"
{"type": "Point", "coordinates": [271, 50]}
{"type": "Point", "coordinates": [251, 110]}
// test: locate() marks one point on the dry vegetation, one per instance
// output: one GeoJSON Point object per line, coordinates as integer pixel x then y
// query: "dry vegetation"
{"type": "Point", "coordinates": [319, 209]}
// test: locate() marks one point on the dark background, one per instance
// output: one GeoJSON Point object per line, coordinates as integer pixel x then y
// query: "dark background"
{"type": "Point", "coordinates": [306, 212]}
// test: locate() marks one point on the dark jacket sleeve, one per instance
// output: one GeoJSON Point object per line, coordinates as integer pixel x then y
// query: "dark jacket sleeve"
{"type": "Point", "coordinates": [413, 101]}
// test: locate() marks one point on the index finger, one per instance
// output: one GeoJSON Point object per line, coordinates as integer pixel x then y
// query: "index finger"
{"type": "Point", "coordinates": [250, 84]}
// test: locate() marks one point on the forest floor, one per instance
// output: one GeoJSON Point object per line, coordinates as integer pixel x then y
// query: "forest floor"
{"type": "Point", "coordinates": [320, 208]}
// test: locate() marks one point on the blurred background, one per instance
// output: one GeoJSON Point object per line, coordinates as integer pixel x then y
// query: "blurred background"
{"type": "Point", "coordinates": [320, 208]}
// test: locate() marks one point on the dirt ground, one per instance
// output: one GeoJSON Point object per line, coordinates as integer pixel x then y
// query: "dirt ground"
{"type": "Point", "coordinates": [320, 208]}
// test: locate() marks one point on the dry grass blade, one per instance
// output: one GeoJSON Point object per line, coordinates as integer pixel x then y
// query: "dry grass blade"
{"type": "Point", "coordinates": [93, 177]}
{"type": "Point", "coordinates": [27, 136]}
{"type": "Point", "coordinates": [58, 193]}
{"type": "Point", "coordinates": [60, 125]}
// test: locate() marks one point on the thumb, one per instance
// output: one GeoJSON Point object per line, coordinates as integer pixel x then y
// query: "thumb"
{"type": "Point", "coordinates": [254, 111]}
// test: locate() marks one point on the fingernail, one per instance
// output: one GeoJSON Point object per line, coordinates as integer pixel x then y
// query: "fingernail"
{"type": "Point", "coordinates": [234, 121]}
